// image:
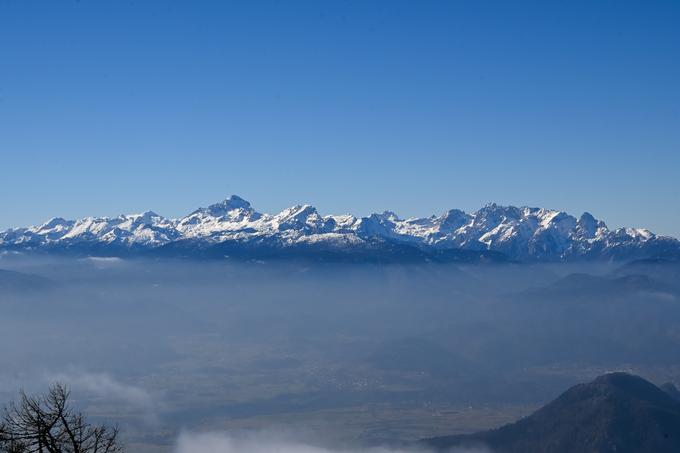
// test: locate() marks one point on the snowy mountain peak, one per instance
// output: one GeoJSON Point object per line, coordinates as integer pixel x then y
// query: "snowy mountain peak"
{"type": "Point", "coordinates": [145, 217]}
{"type": "Point", "coordinates": [231, 203]}
{"type": "Point", "coordinates": [303, 218]}
{"type": "Point", "coordinates": [55, 222]}
{"type": "Point", "coordinates": [588, 226]}
{"type": "Point", "coordinates": [454, 219]}
{"type": "Point", "coordinates": [519, 233]}
{"type": "Point", "coordinates": [389, 215]}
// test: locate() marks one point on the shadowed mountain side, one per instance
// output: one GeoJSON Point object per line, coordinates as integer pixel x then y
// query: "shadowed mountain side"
{"type": "Point", "coordinates": [580, 286]}
{"type": "Point", "coordinates": [616, 412]}
{"type": "Point", "coordinates": [664, 269]}
{"type": "Point", "coordinates": [671, 390]}
{"type": "Point", "coordinates": [375, 252]}
{"type": "Point", "coordinates": [11, 281]}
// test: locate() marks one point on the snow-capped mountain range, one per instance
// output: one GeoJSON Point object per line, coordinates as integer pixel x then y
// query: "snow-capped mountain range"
{"type": "Point", "coordinates": [234, 229]}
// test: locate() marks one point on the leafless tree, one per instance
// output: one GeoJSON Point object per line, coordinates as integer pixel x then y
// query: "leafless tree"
{"type": "Point", "coordinates": [47, 424]}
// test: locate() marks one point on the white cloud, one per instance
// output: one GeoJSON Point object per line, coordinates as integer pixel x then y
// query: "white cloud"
{"type": "Point", "coordinates": [102, 385]}
{"type": "Point", "coordinates": [268, 443]}
{"type": "Point", "coordinates": [103, 262]}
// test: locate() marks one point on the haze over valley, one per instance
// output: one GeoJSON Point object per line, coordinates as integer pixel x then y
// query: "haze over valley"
{"type": "Point", "coordinates": [334, 355]}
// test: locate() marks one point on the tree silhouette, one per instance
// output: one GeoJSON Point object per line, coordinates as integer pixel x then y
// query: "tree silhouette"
{"type": "Point", "coordinates": [47, 424]}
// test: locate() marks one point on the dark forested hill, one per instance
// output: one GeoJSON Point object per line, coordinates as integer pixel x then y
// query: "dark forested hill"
{"type": "Point", "coordinates": [616, 412]}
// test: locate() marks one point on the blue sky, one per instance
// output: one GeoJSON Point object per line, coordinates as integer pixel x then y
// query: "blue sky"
{"type": "Point", "coordinates": [354, 106]}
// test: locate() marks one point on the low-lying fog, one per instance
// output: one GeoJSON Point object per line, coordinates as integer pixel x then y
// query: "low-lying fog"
{"type": "Point", "coordinates": [194, 357]}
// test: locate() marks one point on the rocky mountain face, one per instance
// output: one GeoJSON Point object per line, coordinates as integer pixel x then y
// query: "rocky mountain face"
{"type": "Point", "coordinates": [616, 412]}
{"type": "Point", "coordinates": [234, 228]}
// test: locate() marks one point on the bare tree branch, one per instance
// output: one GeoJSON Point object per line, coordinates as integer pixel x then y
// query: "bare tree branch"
{"type": "Point", "coordinates": [47, 424]}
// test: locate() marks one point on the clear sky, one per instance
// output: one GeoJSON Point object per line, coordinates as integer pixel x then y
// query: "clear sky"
{"type": "Point", "coordinates": [354, 106]}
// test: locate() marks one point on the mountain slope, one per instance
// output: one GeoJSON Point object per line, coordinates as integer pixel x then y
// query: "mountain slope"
{"type": "Point", "coordinates": [616, 412]}
{"type": "Point", "coordinates": [12, 281]}
{"type": "Point", "coordinates": [234, 228]}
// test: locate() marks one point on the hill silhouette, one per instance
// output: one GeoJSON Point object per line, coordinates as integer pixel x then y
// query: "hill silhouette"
{"type": "Point", "coordinates": [616, 412]}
